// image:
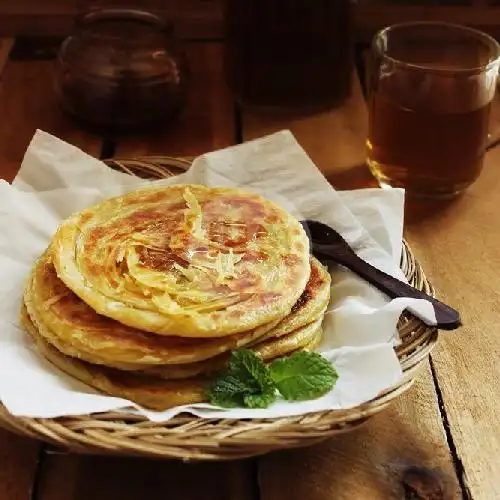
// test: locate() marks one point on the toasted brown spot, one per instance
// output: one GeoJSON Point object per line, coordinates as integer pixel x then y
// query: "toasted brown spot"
{"type": "Point", "coordinates": [315, 281]}
{"type": "Point", "coordinates": [291, 260]}
{"type": "Point", "coordinates": [160, 260]}
{"type": "Point", "coordinates": [273, 219]}
{"type": "Point", "coordinates": [242, 284]}
{"type": "Point", "coordinates": [82, 315]}
{"type": "Point", "coordinates": [254, 257]}
{"type": "Point", "coordinates": [177, 207]}
{"type": "Point", "coordinates": [94, 269]}
{"type": "Point", "coordinates": [141, 215]}
{"type": "Point", "coordinates": [303, 300]}
{"type": "Point", "coordinates": [96, 234]}
{"type": "Point", "coordinates": [85, 217]}
{"type": "Point", "coordinates": [254, 205]}
{"type": "Point", "coordinates": [113, 283]}
{"type": "Point", "coordinates": [152, 198]}
{"type": "Point", "coordinates": [269, 297]}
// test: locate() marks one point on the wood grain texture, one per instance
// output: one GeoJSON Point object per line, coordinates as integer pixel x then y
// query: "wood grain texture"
{"type": "Point", "coordinates": [375, 462]}
{"type": "Point", "coordinates": [18, 465]}
{"type": "Point", "coordinates": [28, 102]}
{"type": "Point", "coordinates": [208, 121]}
{"type": "Point", "coordinates": [457, 243]}
{"type": "Point", "coordinates": [335, 140]}
{"type": "Point", "coordinates": [203, 18]}
{"type": "Point", "coordinates": [103, 478]}
{"type": "Point", "coordinates": [18, 455]}
{"type": "Point", "coordinates": [398, 453]}
{"type": "Point", "coordinates": [193, 18]}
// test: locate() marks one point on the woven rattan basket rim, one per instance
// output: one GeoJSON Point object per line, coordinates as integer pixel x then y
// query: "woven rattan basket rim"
{"type": "Point", "coordinates": [191, 438]}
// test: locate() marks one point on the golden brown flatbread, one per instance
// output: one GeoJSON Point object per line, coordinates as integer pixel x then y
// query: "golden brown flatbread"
{"type": "Point", "coordinates": [268, 350]}
{"type": "Point", "coordinates": [64, 320]}
{"type": "Point", "coordinates": [148, 391]}
{"type": "Point", "coordinates": [185, 260]}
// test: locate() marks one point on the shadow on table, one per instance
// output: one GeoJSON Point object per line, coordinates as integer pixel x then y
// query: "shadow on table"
{"type": "Point", "coordinates": [355, 177]}
{"type": "Point", "coordinates": [416, 210]}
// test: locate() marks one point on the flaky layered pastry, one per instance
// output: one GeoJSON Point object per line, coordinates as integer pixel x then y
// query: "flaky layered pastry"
{"type": "Point", "coordinates": [143, 296]}
{"type": "Point", "coordinates": [67, 322]}
{"type": "Point", "coordinates": [77, 330]}
{"type": "Point", "coordinates": [311, 305]}
{"type": "Point", "coordinates": [148, 391]}
{"type": "Point", "coordinates": [185, 260]}
{"type": "Point", "coordinates": [268, 350]}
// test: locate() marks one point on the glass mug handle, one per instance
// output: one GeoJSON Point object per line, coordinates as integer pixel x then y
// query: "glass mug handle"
{"type": "Point", "coordinates": [493, 140]}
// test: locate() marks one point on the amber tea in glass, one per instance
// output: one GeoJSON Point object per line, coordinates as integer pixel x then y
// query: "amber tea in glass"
{"type": "Point", "coordinates": [431, 90]}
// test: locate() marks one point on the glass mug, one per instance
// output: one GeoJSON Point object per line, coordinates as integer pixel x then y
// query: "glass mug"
{"type": "Point", "coordinates": [430, 96]}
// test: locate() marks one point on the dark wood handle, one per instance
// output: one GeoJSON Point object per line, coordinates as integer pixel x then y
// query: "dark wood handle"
{"type": "Point", "coordinates": [447, 317]}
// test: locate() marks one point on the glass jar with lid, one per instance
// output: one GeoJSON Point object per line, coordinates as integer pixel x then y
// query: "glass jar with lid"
{"type": "Point", "coordinates": [121, 69]}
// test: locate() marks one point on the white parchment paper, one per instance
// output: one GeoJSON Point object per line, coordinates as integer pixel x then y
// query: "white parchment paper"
{"type": "Point", "coordinates": [57, 179]}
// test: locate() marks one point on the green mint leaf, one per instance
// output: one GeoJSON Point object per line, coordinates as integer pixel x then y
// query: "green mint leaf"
{"type": "Point", "coordinates": [247, 367]}
{"type": "Point", "coordinates": [262, 400]}
{"type": "Point", "coordinates": [226, 401]}
{"type": "Point", "coordinates": [245, 383]}
{"type": "Point", "coordinates": [226, 391]}
{"type": "Point", "coordinates": [302, 376]}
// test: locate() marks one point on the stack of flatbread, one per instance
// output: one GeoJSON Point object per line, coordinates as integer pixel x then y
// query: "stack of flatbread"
{"type": "Point", "coordinates": [143, 296]}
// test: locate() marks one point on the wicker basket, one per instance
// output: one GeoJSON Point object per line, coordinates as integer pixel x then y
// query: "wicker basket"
{"type": "Point", "coordinates": [191, 438]}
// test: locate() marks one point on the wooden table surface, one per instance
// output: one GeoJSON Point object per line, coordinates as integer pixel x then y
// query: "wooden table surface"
{"type": "Point", "coordinates": [441, 440]}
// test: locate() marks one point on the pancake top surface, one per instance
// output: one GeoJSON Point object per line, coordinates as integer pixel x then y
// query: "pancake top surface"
{"type": "Point", "coordinates": [185, 260]}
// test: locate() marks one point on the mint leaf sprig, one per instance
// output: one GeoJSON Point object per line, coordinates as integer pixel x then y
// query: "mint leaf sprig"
{"type": "Point", "coordinates": [249, 383]}
{"type": "Point", "coordinates": [246, 382]}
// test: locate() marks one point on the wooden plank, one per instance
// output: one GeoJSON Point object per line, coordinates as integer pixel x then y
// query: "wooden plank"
{"type": "Point", "coordinates": [376, 461]}
{"type": "Point", "coordinates": [370, 17]}
{"type": "Point", "coordinates": [193, 18]}
{"type": "Point", "coordinates": [18, 466]}
{"type": "Point", "coordinates": [28, 17]}
{"type": "Point", "coordinates": [399, 454]}
{"type": "Point", "coordinates": [27, 102]}
{"type": "Point", "coordinates": [457, 243]}
{"type": "Point", "coordinates": [103, 478]}
{"type": "Point", "coordinates": [203, 18]}
{"type": "Point", "coordinates": [208, 121]}
{"type": "Point", "coordinates": [49, 6]}
{"type": "Point", "coordinates": [335, 139]}
{"type": "Point", "coordinates": [472, 16]}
